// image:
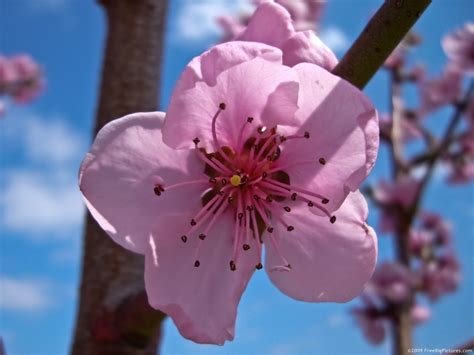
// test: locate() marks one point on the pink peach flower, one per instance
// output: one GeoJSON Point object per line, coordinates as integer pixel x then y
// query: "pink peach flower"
{"type": "Point", "coordinates": [409, 129]}
{"type": "Point", "coordinates": [401, 192]}
{"type": "Point", "coordinates": [459, 47]}
{"type": "Point", "coordinates": [441, 275]}
{"type": "Point", "coordinates": [372, 326]}
{"type": "Point", "coordinates": [21, 78]}
{"type": "Point", "coordinates": [250, 152]}
{"type": "Point", "coordinates": [392, 281]}
{"type": "Point", "coordinates": [444, 90]}
{"type": "Point", "coordinates": [272, 24]}
{"type": "Point", "coordinates": [419, 314]}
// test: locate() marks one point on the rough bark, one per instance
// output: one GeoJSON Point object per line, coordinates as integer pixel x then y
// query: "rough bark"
{"type": "Point", "coordinates": [114, 316]}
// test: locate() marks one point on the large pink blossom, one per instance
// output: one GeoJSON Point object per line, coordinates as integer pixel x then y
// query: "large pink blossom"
{"type": "Point", "coordinates": [251, 153]}
{"type": "Point", "coordinates": [459, 47]}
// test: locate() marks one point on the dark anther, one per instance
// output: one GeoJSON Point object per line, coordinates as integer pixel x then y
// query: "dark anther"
{"type": "Point", "coordinates": [213, 180]}
{"type": "Point", "coordinates": [249, 119]}
{"type": "Point", "coordinates": [246, 247]}
{"type": "Point", "coordinates": [256, 197]}
{"type": "Point", "coordinates": [202, 236]}
{"type": "Point", "coordinates": [184, 238]}
{"type": "Point", "coordinates": [221, 193]}
{"type": "Point", "coordinates": [290, 228]}
{"type": "Point", "coordinates": [193, 222]}
{"type": "Point", "coordinates": [282, 139]}
{"type": "Point", "coordinates": [332, 219]}
{"type": "Point", "coordinates": [197, 263]}
{"type": "Point", "coordinates": [230, 199]}
{"type": "Point", "coordinates": [322, 161]}
{"type": "Point", "coordinates": [224, 182]}
{"type": "Point", "coordinates": [232, 265]}
{"type": "Point", "coordinates": [310, 204]}
{"type": "Point", "coordinates": [269, 198]}
{"type": "Point", "coordinates": [270, 229]}
{"type": "Point", "coordinates": [157, 190]}
{"type": "Point", "coordinates": [196, 140]}
{"type": "Point", "coordinates": [325, 201]}
{"type": "Point", "coordinates": [264, 175]}
{"type": "Point", "coordinates": [261, 129]}
{"type": "Point", "coordinates": [222, 106]}
{"type": "Point", "coordinates": [287, 208]}
{"type": "Point", "coordinates": [288, 266]}
{"type": "Point", "coordinates": [240, 215]}
{"type": "Point", "coordinates": [293, 196]}
{"type": "Point", "coordinates": [250, 208]}
{"type": "Point", "coordinates": [306, 134]}
{"type": "Point", "coordinates": [259, 266]}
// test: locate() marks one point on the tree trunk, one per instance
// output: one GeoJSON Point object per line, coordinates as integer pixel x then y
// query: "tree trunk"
{"type": "Point", "coordinates": [114, 316]}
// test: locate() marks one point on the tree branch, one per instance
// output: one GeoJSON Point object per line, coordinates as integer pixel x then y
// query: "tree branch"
{"type": "Point", "coordinates": [379, 38]}
{"type": "Point", "coordinates": [114, 316]}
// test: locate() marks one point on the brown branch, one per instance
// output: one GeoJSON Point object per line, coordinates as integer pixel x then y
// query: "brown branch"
{"type": "Point", "coordinates": [114, 316]}
{"type": "Point", "coordinates": [379, 38]}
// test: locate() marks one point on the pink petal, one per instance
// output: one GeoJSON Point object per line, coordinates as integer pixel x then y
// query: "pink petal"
{"type": "Point", "coordinates": [343, 128]}
{"type": "Point", "coordinates": [257, 88]}
{"type": "Point", "coordinates": [118, 175]}
{"type": "Point", "coordinates": [307, 47]}
{"type": "Point", "coordinates": [202, 301]}
{"type": "Point", "coordinates": [329, 262]}
{"type": "Point", "coordinates": [270, 24]}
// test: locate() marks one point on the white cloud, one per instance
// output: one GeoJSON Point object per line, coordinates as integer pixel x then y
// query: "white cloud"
{"type": "Point", "coordinates": [197, 21]}
{"type": "Point", "coordinates": [38, 192]}
{"type": "Point", "coordinates": [35, 203]}
{"type": "Point", "coordinates": [335, 39]}
{"type": "Point", "coordinates": [24, 294]}
{"type": "Point", "coordinates": [51, 140]}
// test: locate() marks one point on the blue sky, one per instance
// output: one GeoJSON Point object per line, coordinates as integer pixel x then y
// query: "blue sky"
{"type": "Point", "coordinates": [42, 145]}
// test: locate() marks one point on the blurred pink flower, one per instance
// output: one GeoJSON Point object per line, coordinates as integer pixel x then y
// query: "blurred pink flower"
{"type": "Point", "coordinates": [250, 152]}
{"type": "Point", "coordinates": [272, 24]}
{"type": "Point", "coordinates": [402, 192]}
{"type": "Point", "coordinates": [441, 91]}
{"type": "Point", "coordinates": [419, 314]}
{"type": "Point", "coordinates": [440, 276]}
{"type": "Point", "coordinates": [410, 131]}
{"type": "Point", "coordinates": [392, 282]}
{"type": "Point", "coordinates": [21, 78]}
{"type": "Point", "coordinates": [459, 47]}
{"type": "Point", "coordinates": [372, 325]}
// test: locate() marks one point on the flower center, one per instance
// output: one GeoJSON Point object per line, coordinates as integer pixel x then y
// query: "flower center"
{"type": "Point", "coordinates": [246, 181]}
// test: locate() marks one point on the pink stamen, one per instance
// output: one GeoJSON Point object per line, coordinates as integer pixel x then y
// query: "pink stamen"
{"type": "Point", "coordinates": [214, 120]}
{"type": "Point", "coordinates": [293, 188]}
{"type": "Point", "coordinates": [210, 162]}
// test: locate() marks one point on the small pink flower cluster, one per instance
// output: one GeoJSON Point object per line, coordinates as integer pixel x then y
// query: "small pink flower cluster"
{"type": "Point", "coordinates": [434, 268]}
{"type": "Point", "coordinates": [434, 272]}
{"type": "Point", "coordinates": [21, 78]}
{"type": "Point", "coordinates": [434, 94]}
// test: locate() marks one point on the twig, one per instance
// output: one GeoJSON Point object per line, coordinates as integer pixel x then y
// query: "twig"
{"type": "Point", "coordinates": [379, 38]}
